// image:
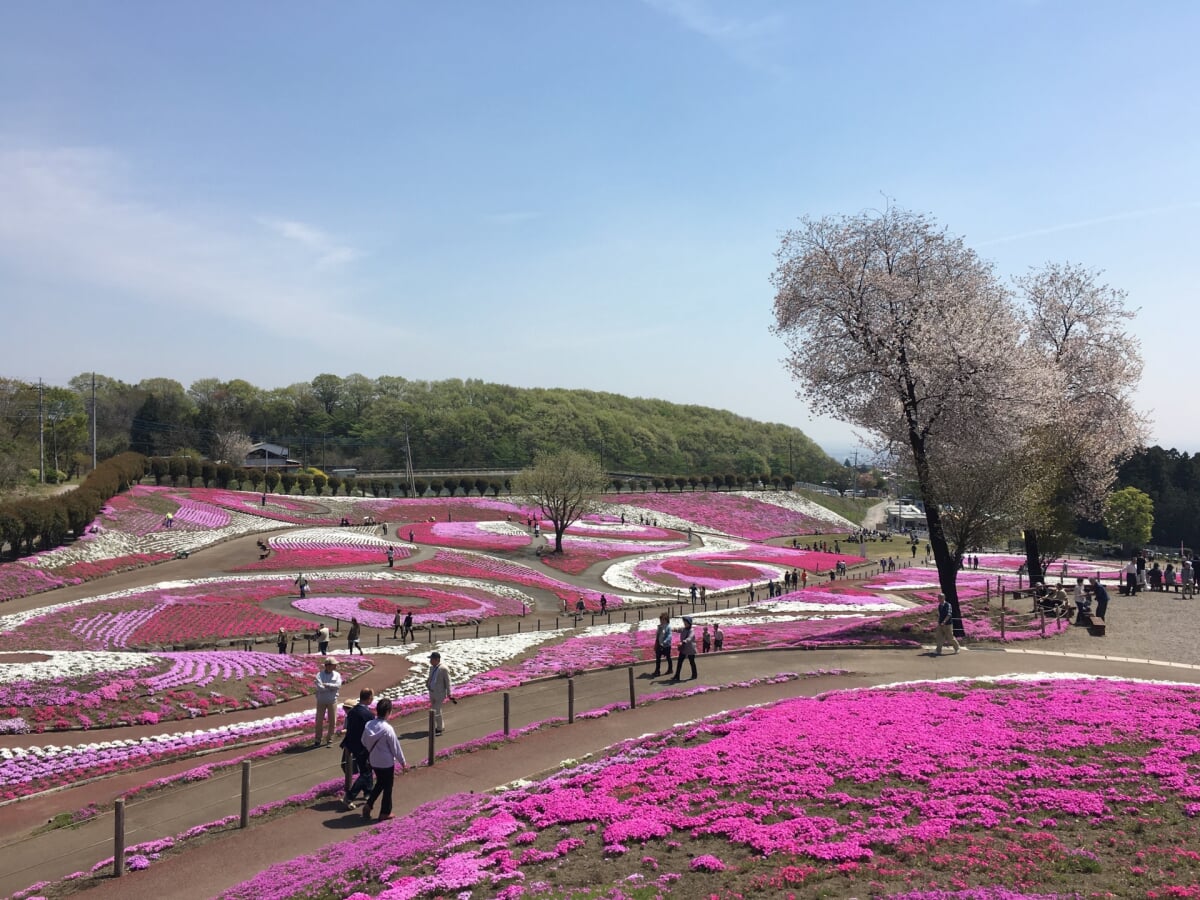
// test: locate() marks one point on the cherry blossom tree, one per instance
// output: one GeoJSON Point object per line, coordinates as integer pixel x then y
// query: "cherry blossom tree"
{"type": "Point", "coordinates": [896, 327]}
{"type": "Point", "coordinates": [1075, 323]}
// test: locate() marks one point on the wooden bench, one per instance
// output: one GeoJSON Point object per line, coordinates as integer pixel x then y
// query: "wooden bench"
{"type": "Point", "coordinates": [1095, 625]}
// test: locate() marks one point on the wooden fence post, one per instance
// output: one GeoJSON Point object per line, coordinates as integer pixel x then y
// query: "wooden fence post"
{"type": "Point", "coordinates": [119, 837]}
{"type": "Point", "coordinates": [570, 701]}
{"type": "Point", "coordinates": [245, 814]}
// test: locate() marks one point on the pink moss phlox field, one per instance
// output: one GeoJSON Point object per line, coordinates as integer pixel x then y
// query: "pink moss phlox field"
{"type": "Point", "coordinates": [296, 510]}
{"type": "Point", "coordinates": [728, 569]}
{"type": "Point", "coordinates": [465, 535]}
{"type": "Point", "coordinates": [608, 526]}
{"type": "Point", "coordinates": [580, 554]}
{"type": "Point", "coordinates": [732, 514]}
{"type": "Point", "coordinates": [329, 549]}
{"type": "Point", "coordinates": [402, 511]}
{"type": "Point", "coordinates": [475, 565]}
{"type": "Point", "coordinates": [834, 790]}
{"type": "Point", "coordinates": [19, 580]}
{"type": "Point", "coordinates": [429, 604]}
{"type": "Point", "coordinates": [142, 510]}
{"type": "Point", "coordinates": [160, 617]}
{"type": "Point", "coordinates": [173, 686]}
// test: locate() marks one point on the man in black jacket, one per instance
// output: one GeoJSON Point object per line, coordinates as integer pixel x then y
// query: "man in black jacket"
{"type": "Point", "coordinates": [356, 721]}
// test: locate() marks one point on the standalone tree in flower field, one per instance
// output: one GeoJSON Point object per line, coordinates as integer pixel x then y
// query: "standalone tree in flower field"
{"type": "Point", "coordinates": [564, 486]}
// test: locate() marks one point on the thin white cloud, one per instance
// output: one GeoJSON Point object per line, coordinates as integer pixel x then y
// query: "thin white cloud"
{"type": "Point", "coordinates": [328, 252]}
{"type": "Point", "coordinates": [1089, 223]}
{"type": "Point", "coordinates": [745, 39]}
{"type": "Point", "coordinates": [76, 216]}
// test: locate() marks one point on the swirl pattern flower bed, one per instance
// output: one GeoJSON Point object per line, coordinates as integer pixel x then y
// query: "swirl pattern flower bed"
{"type": "Point", "coordinates": [72, 690]}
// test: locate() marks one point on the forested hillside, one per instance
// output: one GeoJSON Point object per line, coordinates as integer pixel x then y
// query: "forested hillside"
{"type": "Point", "coordinates": [1172, 479]}
{"type": "Point", "coordinates": [358, 421]}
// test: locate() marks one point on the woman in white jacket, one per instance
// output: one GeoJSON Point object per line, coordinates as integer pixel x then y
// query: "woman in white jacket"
{"type": "Point", "coordinates": [385, 754]}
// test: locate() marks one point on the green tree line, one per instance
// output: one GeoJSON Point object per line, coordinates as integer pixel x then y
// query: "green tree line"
{"type": "Point", "coordinates": [335, 421]}
{"type": "Point", "coordinates": [42, 523]}
{"type": "Point", "coordinates": [1172, 481]}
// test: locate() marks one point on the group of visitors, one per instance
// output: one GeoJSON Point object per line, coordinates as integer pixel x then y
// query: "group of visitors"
{"type": "Point", "coordinates": [663, 637]}
{"type": "Point", "coordinates": [369, 739]}
{"type": "Point", "coordinates": [403, 625]}
{"type": "Point", "coordinates": [1147, 574]}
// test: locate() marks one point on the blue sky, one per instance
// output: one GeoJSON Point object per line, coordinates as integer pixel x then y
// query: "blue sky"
{"type": "Point", "coordinates": [565, 194]}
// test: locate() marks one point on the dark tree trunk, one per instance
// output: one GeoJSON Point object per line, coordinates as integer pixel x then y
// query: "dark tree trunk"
{"type": "Point", "coordinates": [947, 563]}
{"type": "Point", "coordinates": [1033, 558]}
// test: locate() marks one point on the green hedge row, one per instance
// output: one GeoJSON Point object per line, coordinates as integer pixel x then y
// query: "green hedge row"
{"type": "Point", "coordinates": [44, 523]}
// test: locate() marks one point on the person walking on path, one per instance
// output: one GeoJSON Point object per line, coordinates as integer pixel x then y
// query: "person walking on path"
{"type": "Point", "coordinates": [662, 644]}
{"type": "Point", "coordinates": [396, 621]}
{"type": "Point", "coordinates": [945, 625]}
{"type": "Point", "coordinates": [705, 641]}
{"type": "Point", "coordinates": [687, 648]}
{"type": "Point", "coordinates": [302, 583]}
{"type": "Point", "coordinates": [407, 628]}
{"type": "Point", "coordinates": [352, 637]}
{"type": "Point", "coordinates": [329, 682]}
{"type": "Point", "coordinates": [322, 637]}
{"type": "Point", "coordinates": [718, 638]}
{"type": "Point", "coordinates": [356, 723]}
{"type": "Point", "coordinates": [391, 555]}
{"type": "Point", "coordinates": [281, 640]}
{"type": "Point", "coordinates": [439, 689]}
{"type": "Point", "coordinates": [384, 753]}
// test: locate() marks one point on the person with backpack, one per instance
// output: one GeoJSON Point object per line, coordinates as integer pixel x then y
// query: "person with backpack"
{"type": "Point", "coordinates": [357, 720]}
{"type": "Point", "coordinates": [384, 754]}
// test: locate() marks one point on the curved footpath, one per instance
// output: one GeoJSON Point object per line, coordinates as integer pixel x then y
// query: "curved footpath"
{"type": "Point", "coordinates": [224, 860]}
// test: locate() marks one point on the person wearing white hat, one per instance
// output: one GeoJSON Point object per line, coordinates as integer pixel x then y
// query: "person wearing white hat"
{"type": "Point", "coordinates": [329, 682]}
{"type": "Point", "coordinates": [687, 648]}
{"type": "Point", "coordinates": [439, 689]}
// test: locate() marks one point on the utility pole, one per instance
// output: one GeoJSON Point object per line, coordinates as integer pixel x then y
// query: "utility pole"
{"type": "Point", "coordinates": [41, 435]}
{"type": "Point", "coordinates": [408, 466]}
{"type": "Point", "coordinates": [93, 421]}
